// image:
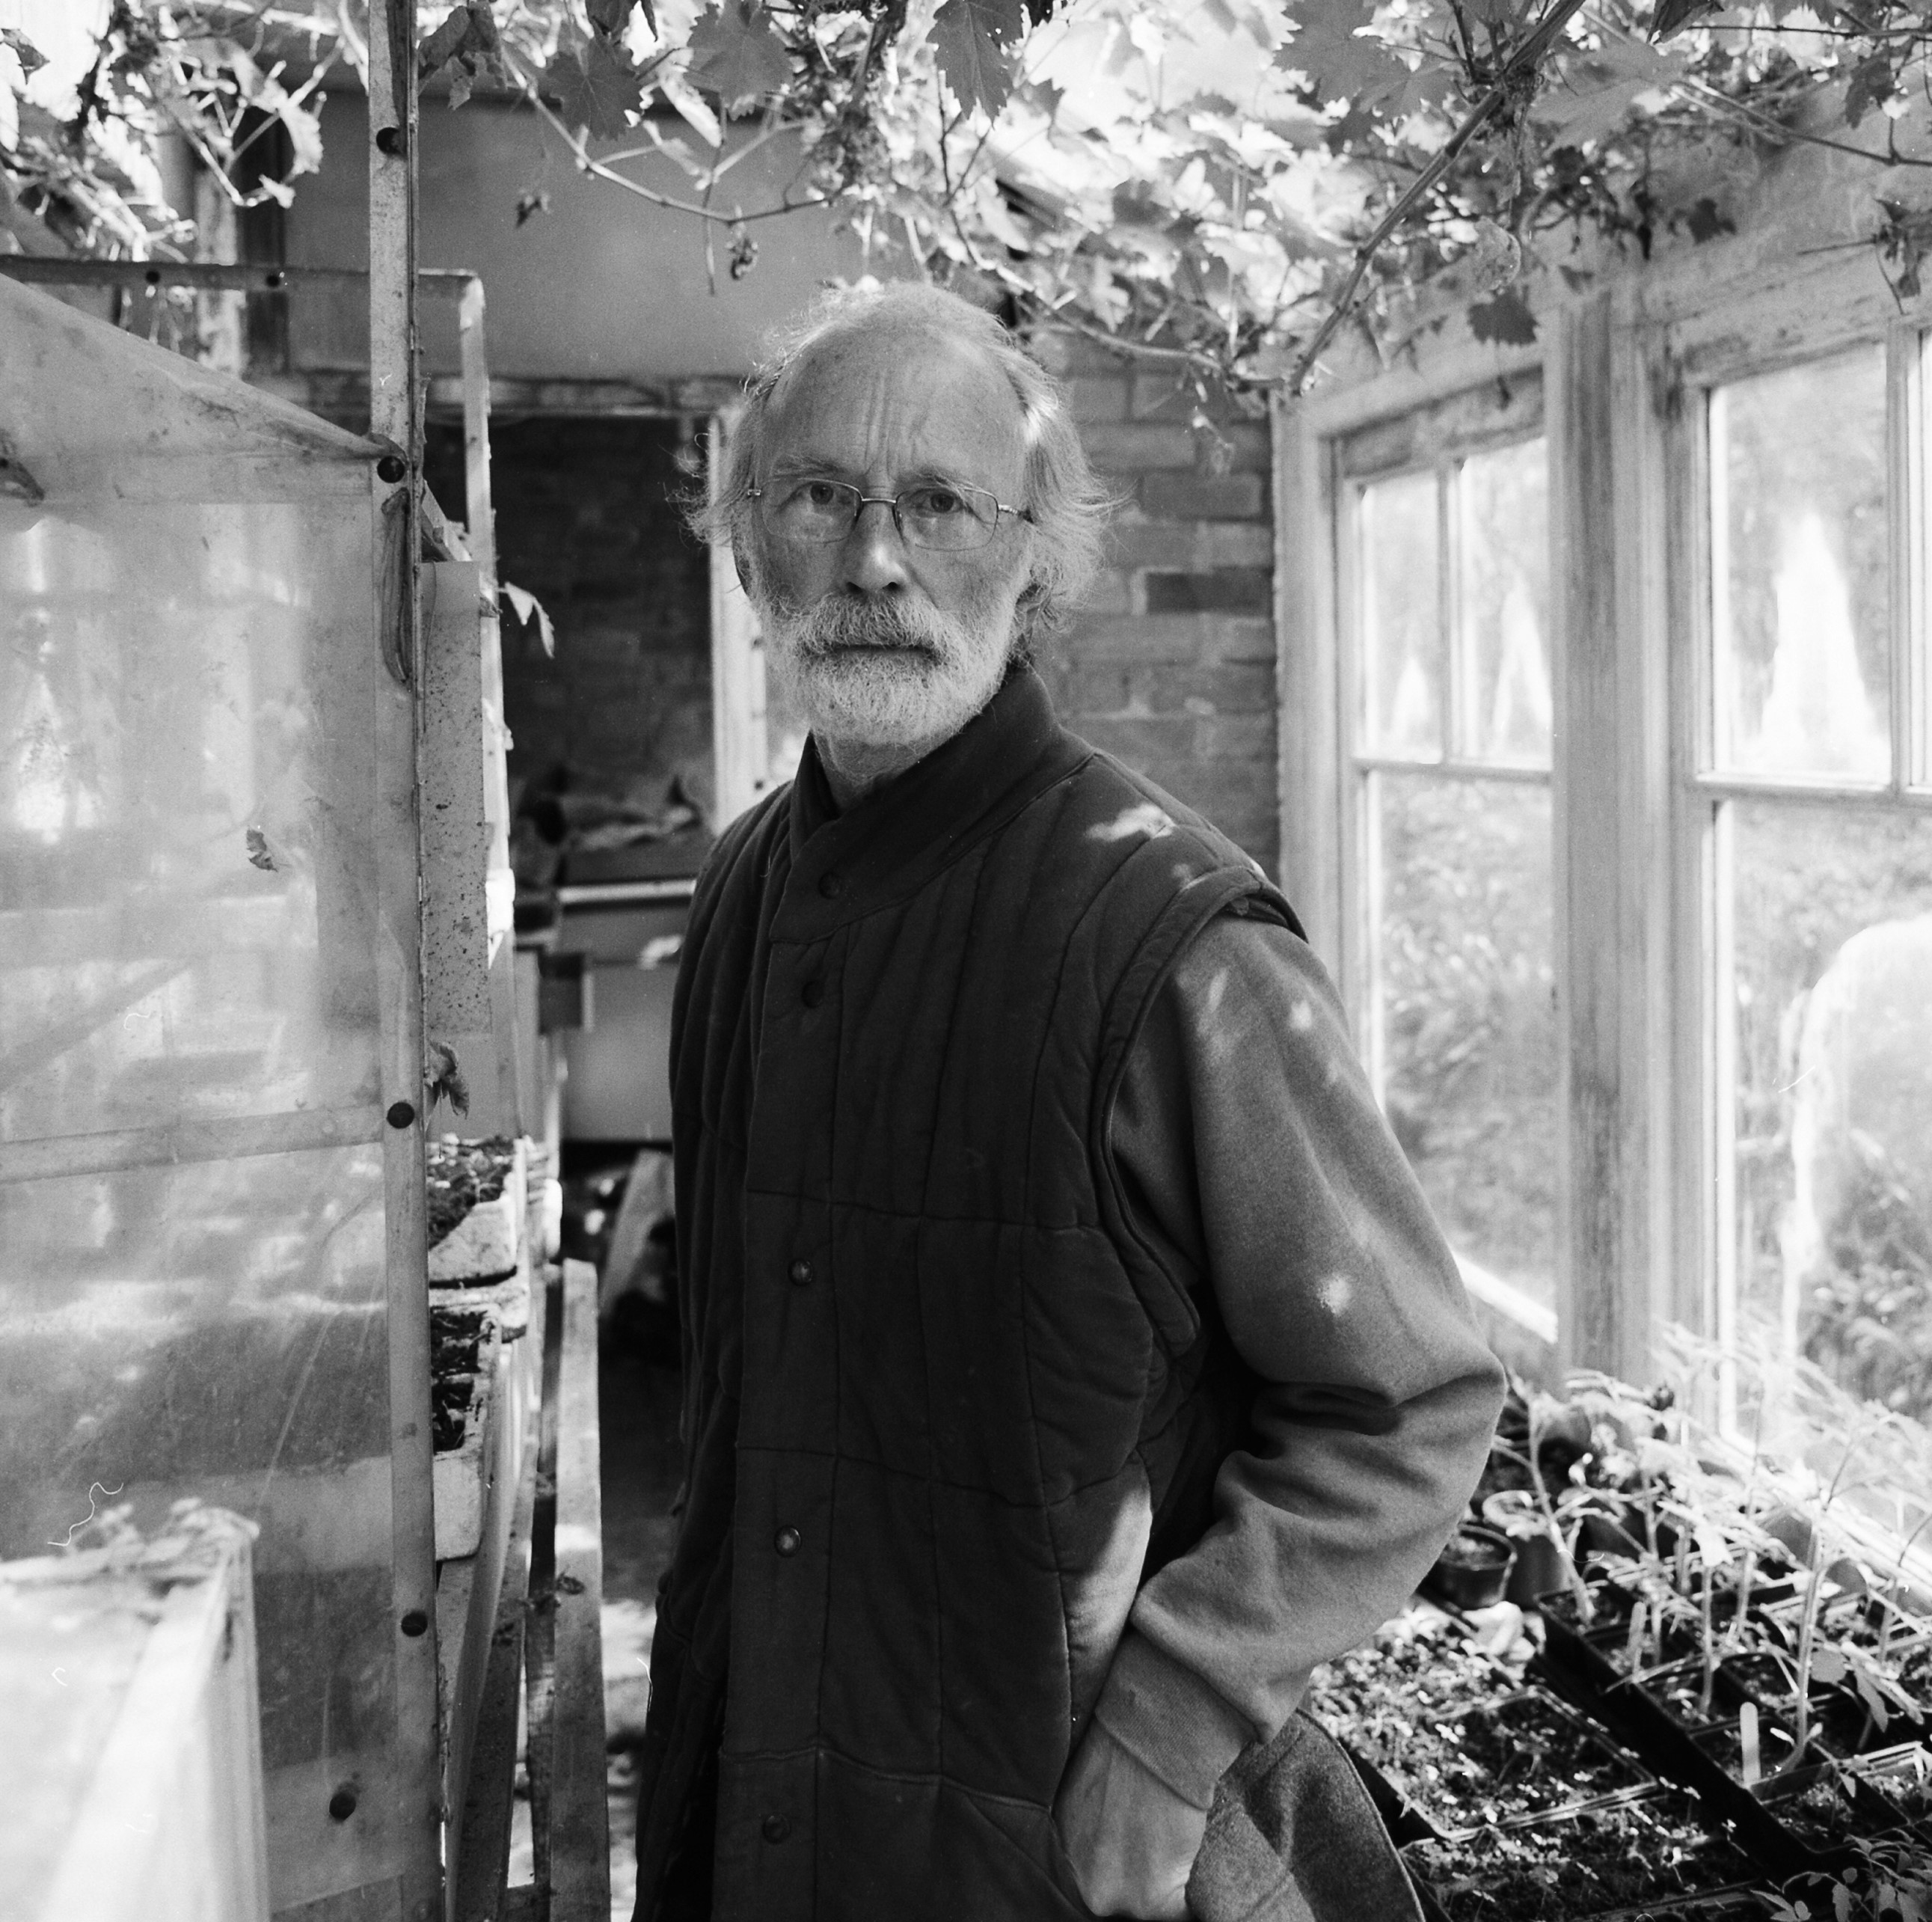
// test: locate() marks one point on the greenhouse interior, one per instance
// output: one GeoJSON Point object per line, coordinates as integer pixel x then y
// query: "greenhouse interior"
{"type": "Point", "coordinates": [1334, 1321]}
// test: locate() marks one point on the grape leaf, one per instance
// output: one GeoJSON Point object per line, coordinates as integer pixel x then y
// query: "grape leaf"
{"type": "Point", "coordinates": [1872, 85]}
{"type": "Point", "coordinates": [1339, 62]}
{"type": "Point", "coordinates": [969, 38]}
{"type": "Point", "coordinates": [1674, 15]}
{"type": "Point", "coordinates": [736, 54]}
{"type": "Point", "coordinates": [1506, 321]}
{"type": "Point", "coordinates": [612, 17]}
{"type": "Point", "coordinates": [1592, 96]}
{"type": "Point", "coordinates": [595, 87]}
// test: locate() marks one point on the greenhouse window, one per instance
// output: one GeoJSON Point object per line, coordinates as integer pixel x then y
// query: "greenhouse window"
{"type": "Point", "coordinates": [1447, 719]}
{"type": "Point", "coordinates": [1806, 814]}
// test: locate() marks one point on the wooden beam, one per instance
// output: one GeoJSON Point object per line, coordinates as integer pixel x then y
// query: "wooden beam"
{"type": "Point", "coordinates": [580, 1838]}
{"type": "Point", "coordinates": [211, 276]}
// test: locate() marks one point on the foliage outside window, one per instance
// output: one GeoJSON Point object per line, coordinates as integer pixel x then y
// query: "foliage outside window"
{"type": "Point", "coordinates": [1807, 798]}
{"type": "Point", "coordinates": [1447, 574]}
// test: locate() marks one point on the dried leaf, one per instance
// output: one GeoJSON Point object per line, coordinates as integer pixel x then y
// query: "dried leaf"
{"type": "Point", "coordinates": [969, 38]}
{"type": "Point", "coordinates": [531, 201]}
{"type": "Point", "coordinates": [448, 40]}
{"type": "Point", "coordinates": [1505, 320]}
{"type": "Point", "coordinates": [524, 604]}
{"type": "Point", "coordinates": [1497, 258]}
{"type": "Point", "coordinates": [30, 57]}
{"type": "Point", "coordinates": [445, 1078]}
{"type": "Point", "coordinates": [258, 856]}
{"type": "Point", "coordinates": [736, 54]}
{"type": "Point", "coordinates": [594, 88]}
{"type": "Point", "coordinates": [1706, 221]}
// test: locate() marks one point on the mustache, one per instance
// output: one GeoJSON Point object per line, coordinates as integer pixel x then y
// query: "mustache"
{"type": "Point", "coordinates": [840, 622]}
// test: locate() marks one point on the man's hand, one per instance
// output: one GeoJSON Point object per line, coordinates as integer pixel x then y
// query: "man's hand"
{"type": "Point", "coordinates": [1130, 1838]}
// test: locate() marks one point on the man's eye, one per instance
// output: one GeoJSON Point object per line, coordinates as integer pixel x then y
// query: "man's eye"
{"type": "Point", "coordinates": [818, 493]}
{"type": "Point", "coordinates": [934, 503]}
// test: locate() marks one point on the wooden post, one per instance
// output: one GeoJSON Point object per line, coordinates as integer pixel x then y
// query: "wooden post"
{"type": "Point", "coordinates": [394, 419]}
{"type": "Point", "coordinates": [1308, 732]}
{"type": "Point", "coordinates": [1607, 533]}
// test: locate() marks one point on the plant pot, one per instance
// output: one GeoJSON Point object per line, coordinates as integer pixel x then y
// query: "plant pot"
{"type": "Point", "coordinates": [1541, 1567]}
{"type": "Point", "coordinates": [1473, 1569]}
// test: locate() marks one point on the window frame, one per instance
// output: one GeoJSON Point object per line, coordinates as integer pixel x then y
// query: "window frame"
{"type": "Point", "coordinates": [1639, 927]}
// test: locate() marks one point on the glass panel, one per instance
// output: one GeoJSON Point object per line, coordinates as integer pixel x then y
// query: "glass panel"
{"type": "Point", "coordinates": [1800, 587]}
{"type": "Point", "coordinates": [1465, 996]}
{"type": "Point", "coordinates": [193, 1287]}
{"type": "Point", "coordinates": [1503, 605]}
{"type": "Point", "coordinates": [1402, 627]}
{"type": "Point", "coordinates": [1832, 910]}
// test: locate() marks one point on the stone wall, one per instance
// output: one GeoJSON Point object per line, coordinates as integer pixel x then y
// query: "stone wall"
{"type": "Point", "coordinates": [1172, 665]}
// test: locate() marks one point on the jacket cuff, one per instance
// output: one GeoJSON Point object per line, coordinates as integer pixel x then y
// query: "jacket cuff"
{"type": "Point", "coordinates": [1169, 1720]}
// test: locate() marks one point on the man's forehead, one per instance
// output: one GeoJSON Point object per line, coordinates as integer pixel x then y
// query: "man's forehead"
{"type": "Point", "coordinates": [912, 377]}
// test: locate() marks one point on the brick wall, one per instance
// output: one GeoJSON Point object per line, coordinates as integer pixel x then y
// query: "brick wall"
{"type": "Point", "coordinates": [586, 520]}
{"type": "Point", "coordinates": [1171, 667]}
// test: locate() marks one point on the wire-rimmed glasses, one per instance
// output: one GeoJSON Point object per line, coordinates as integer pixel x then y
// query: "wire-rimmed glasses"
{"type": "Point", "coordinates": [947, 515]}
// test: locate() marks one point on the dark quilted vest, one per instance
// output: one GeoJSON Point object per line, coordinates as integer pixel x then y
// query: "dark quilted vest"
{"type": "Point", "coordinates": [932, 1377]}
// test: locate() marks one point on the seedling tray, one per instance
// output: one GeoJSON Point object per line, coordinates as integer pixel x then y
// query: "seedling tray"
{"type": "Point", "coordinates": [1648, 1854]}
{"type": "Point", "coordinates": [1580, 1673]}
{"type": "Point", "coordinates": [1438, 1728]}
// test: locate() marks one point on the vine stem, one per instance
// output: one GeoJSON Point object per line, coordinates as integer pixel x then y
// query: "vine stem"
{"type": "Point", "coordinates": [1777, 130]}
{"type": "Point", "coordinates": [1524, 59]}
{"type": "Point", "coordinates": [581, 152]}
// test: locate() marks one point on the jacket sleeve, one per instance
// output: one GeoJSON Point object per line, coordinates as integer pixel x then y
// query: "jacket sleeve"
{"type": "Point", "coordinates": [1254, 1157]}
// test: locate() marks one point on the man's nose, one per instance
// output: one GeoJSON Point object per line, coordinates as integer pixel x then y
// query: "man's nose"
{"type": "Point", "coordinates": [874, 557]}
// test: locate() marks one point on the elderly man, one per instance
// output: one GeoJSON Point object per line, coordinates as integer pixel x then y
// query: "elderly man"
{"type": "Point", "coordinates": [1071, 1361]}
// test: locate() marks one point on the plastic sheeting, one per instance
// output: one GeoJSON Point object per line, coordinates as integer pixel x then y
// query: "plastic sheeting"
{"type": "Point", "coordinates": [195, 989]}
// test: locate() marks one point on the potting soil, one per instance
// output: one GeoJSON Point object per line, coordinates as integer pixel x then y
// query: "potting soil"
{"type": "Point", "coordinates": [459, 1174]}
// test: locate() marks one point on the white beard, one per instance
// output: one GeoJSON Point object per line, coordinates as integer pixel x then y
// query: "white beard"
{"type": "Point", "coordinates": [871, 673]}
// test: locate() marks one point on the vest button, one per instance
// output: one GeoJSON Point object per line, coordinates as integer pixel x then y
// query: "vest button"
{"type": "Point", "coordinates": [800, 1273]}
{"type": "Point", "coordinates": [788, 1541]}
{"type": "Point", "coordinates": [812, 993]}
{"type": "Point", "coordinates": [831, 885]}
{"type": "Point", "coordinates": [775, 1828]}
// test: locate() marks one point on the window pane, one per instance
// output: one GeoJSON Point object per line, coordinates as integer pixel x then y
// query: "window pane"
{"type": "Point", "coordinates": [1465, 994]}
{"type": "Point", "coordinates": [1402, 627]}
{"type": "Point", "coordinates": [1503, 610]}
{"type": "Point", "coordinates": [1832, 913]}
{"type": "Point", "coordinates": [1800, 591]}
